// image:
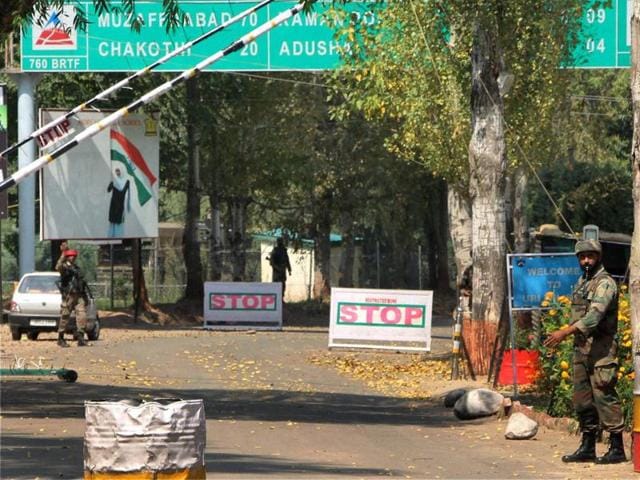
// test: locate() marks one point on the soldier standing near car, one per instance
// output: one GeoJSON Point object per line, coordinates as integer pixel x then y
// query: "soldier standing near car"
{"type": "Point", "coordinates": [74, 297]}
{"type": "Point", "coordinates": [594, 327]}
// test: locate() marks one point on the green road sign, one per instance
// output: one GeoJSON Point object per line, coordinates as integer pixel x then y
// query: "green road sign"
{"type": "Point", "coordinates": [303, 43]}
{"type": "Point", "coordinates": [605, 40]}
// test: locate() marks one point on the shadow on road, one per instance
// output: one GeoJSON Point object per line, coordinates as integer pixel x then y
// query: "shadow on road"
{"type": "Point", "coordinates": [51, 399]}
{"type": "Point", "coordinates": [24, 455]}
{"type": "Point", "coordinates": [48, 398]}
{"type": "Point", "coordinates": [268, 465]}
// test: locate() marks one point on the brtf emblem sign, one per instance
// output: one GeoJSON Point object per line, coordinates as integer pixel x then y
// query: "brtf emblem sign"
{"type": "Point", "coordinates": [56, 32]}
{"type": "Point", "coordinates": [533, 275]}
{"type": "Point", "coordinates": [381, 319]}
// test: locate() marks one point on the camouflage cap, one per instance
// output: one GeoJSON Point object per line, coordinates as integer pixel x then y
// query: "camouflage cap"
{"type": "Point", "coordinates": [588, 246]}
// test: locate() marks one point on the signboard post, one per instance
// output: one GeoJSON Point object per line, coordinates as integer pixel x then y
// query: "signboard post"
{"type": "Point", "coordinates": [381, 319]}
{"type": "Point", "coordinates": [305, 42]}
{"type": "Point", "coordinates": [4, 196]}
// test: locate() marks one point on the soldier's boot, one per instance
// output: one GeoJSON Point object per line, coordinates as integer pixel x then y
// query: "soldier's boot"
{"type": "Point", "coordinates": [81, 341]}
{"type": "Point", "coordinates": [586, 452]}
{"type": "Point", "coordinates": [61, 341]}
{"type": "Point", "coordinates": [616, 451]}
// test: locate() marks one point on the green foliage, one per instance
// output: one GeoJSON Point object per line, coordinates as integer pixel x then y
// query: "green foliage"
{"type": "Point", "coordinates": [590, 176]}
{"type": "Point", "coordinates": [587, 193]}
{"type": "Point", "coordinates": [413, 69]}
{"type": "Point", "coordinates": [555, 381]}
{"type": "Point", "coordinates": [9, 250]}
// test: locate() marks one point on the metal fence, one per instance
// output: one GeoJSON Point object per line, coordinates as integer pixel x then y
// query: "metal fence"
{"type": "Point", "coordinates": [109, 274]}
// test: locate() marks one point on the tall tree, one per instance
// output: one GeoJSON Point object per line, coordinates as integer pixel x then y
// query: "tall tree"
{"type": "Point", "coordinates": [190, 240]}
{"type": "Point", "coordinates": [487, 167]}
{"type": "Point", "coordinates": [435, 67]}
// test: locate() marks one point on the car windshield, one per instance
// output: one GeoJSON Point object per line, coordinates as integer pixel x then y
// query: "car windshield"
{"type": "Point", "coordinates": [39, 284]}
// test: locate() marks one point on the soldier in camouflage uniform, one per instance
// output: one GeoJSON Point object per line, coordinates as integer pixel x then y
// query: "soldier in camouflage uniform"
{"type": "Point", "coordinates": [595, 359]}
{"type": "Point", "coordinates": [74, 297]}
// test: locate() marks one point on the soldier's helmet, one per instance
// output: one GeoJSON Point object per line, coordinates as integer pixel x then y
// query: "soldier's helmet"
{"type": "Point", "coordinates": [588, 246]}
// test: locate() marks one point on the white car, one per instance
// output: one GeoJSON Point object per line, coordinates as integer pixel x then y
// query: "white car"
{"type": "Point", "coordinates": [35, 308]}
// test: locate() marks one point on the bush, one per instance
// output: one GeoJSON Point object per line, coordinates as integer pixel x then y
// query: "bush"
{"type": "Point", "coordinates": [555, 383]}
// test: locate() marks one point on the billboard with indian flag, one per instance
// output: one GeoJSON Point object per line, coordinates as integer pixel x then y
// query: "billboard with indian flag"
{"type": "Point", "coordinates": [106, 187]}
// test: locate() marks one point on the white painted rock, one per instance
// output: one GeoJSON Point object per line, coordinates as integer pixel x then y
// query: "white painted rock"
{"type": "Point", "coordinates": [477, 403]}
{"type": "Point", "coordinates": [520, 427]}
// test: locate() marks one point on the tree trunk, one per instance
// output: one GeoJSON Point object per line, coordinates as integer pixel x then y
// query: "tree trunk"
{"type": "Point", "coordinates": [441, 237]}
{"type": "Point", "coordinates": [322, 227]}
{"type": "Point", "coordinates": [431, 253]}
{"type": "Point", "coordinates": [190, 241]}
{"type": "Point", "coordinates": [634, 274]}
{"type": "Point", "coordinates": [487, 162]}
{"type": "Point", "coordinates": [348, 251]}
{"type": "Point", "coordinates": [459, 209]}
{"type": "Point", "coordinates": [140, 293]}
{"type": "Point", "coordinates": [55, 252]}
{"type": "Point", "coordinates": [215, 240]}
{"type": "Point", "coordinates": [520, 219]}
{"type": "Point", "coordinates": [238, 211]}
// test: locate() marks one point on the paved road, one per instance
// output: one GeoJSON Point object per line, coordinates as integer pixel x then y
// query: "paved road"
{"type": "Point", "coordinates": [271, 412]}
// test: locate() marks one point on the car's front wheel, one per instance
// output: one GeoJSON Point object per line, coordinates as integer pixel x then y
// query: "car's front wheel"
{"type": "Point", "coordinates": [16, 334]}
{"type": "Point", "coordinates": [94, 334]}
{"type": "Point", "coordinates": [32, 335]}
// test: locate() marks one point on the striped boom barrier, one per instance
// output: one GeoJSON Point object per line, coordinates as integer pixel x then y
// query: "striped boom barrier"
{"type": "Point", "coordinates": [97, 127]}
{"type": "Point", "coordinates": [63, 121]}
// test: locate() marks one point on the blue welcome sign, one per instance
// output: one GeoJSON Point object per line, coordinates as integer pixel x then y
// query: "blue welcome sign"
{"type": "Point", "coordinates": [533, 275]}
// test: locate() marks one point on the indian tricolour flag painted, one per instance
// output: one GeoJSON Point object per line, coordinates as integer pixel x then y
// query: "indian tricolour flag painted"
{"type": "Point", "coordinates": [126, 153]}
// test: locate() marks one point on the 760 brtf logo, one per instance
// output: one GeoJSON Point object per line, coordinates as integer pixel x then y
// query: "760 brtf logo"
{"type": "Point", "coordinates": [55, 31]}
